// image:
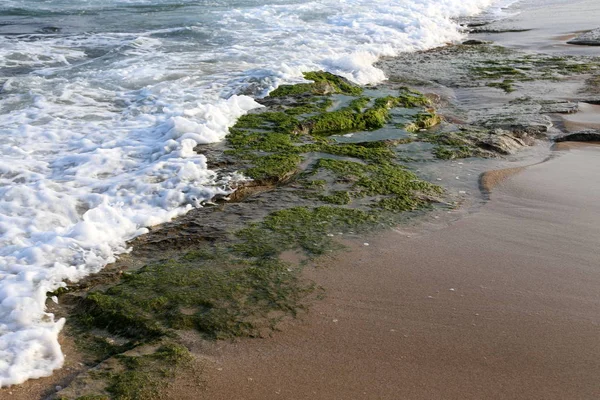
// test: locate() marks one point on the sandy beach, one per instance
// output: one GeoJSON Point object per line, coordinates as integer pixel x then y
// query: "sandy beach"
{"type": "Point", "coordinates": [486, 286]}
{"type": "Point", "coordinates": [502, 304]}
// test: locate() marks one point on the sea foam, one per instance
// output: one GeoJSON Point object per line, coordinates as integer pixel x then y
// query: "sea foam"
{"type": "Point", "coordinates": [99, 128]}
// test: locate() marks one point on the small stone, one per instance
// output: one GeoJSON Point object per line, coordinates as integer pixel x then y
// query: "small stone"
{"type": "Point", "coordinates": [335, 321]}
{"type": "Point", "coordinates": [475, 42]}
{"type": "Point", "coordinates": [452, 290]}
{"type": "Point", "coordinates": [58, 388]}
{"type": "Point", "coordinates": [366, 244]}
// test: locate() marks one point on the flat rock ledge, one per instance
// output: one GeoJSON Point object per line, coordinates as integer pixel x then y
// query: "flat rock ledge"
{"type": "Point", "coordinates": [591, 38]}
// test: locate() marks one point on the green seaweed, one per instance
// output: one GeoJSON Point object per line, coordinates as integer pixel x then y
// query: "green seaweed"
{"type": "Point", "coordinates": [305, 228]}
{"type": "Point", "coordinates": [279, 166]}
{"type": "Point", "coordinates": [402, 188]}
{"type": "Point", "coordinates": [451, 153]}
{"type": "Point", "coordinates": [144, 376]}
{"type": "Point", "coordinates": [339, 197]}
{"type": "Point", "coordinates": [423, 120]}
{"type": "Point", "coordinates": [323, 83]}
{"type": "Point", "coordinates": [507, 85]}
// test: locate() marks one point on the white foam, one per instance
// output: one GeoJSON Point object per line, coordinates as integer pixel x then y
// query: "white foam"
{"type": "Point", "coordinates": [96, 148]}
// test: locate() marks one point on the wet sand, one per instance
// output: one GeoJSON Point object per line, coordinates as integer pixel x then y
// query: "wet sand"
{"type": "Point", "coordinates": [503, 304]}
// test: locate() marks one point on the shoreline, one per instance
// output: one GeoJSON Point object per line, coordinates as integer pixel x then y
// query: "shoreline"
{"type": "Point", "coordinates": [488, 307]}
{"type": "Point", "coordinates": [115, 273]}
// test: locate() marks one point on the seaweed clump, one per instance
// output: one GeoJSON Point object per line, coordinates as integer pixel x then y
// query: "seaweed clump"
{"type": "Point", "coordinates": [273, 143]}
{"type": "Point", "coordinates": [324, 83]}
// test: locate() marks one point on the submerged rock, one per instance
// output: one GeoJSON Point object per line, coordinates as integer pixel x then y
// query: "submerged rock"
{"type": "Point", "coordinates": [591, 38]}
{"type": "Point", "coordinates": [588, 135]}
{"type": "Point", "coordinates": [475, 42]}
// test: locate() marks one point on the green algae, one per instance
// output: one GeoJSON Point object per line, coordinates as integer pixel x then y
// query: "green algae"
{"type": "Point", "coordinates": [530, 67]}
{"type": "Point", "coordinates": [402, 189]}
{"type": "Point", "coordinates": [305, 228]}
{"type": "Point", "coordinates": [507, 85]}
{"type": "Point", "coordinates": [423, 120]}
{"type": "Point", "coordinates": [237, 286]}
{"type": "Point", "coordinates": [273, 143]}
{"type": "Point", "coordinates": [338, 197]}
{"type": "Point", "coordinates": [452, 153]}
{"type": "Point", "coordinates": [276, 167]}
{"type": "Point", "coordinates": [323, 83]}
{"type": "Point", "coordinates": [219, 297]}
{"type": "Point", "coordinates": [496, 72]}
{"type": "Point", "coordinates": [144, 376]}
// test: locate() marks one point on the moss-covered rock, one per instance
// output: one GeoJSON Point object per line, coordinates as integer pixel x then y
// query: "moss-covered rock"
{"type": "Point", "coordinates": [323, 83]}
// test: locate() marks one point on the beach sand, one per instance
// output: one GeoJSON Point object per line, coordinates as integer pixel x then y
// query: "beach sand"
{"type": "Point", "coordinates": [503, 304]}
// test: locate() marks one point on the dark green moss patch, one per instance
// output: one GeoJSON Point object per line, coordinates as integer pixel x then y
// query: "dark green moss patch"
{"type": "Point", "coordinates": [220, 297]}
{"type": "Point", "coordinates": [275, 166]}
{"type": "Point", "coordinates": [302, 227]}
{"type": "Point", "coordinates": [528, 68]}
{"type": "Point", "coordinates": [424, 120]}
{"type": "Point", "coordinates": [144, 376]}
{"type": "Point", "coordinates": [272, 143]}
{"type": "Point", "coordinates": [392, 187]}
{"type": "Point", "coordinates": [507, 85]}
{"type": "Point", "coordinates": [496, 72]}
{"type": "Point", "coordinates": [451, 153]}
{"type": "Point", "coordinates": [337, 197]}
{"type": "Point", "coordinates": [323, 83]}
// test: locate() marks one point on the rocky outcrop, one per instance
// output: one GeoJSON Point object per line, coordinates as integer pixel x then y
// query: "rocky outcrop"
{"type": "Point", "coordinates": [591, 38]}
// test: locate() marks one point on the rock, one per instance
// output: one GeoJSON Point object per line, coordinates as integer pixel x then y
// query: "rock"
{"type": "Point", "coordinates": [591, 38]}
{"type": "Point", "coordinates": [475, 42]}
{"type": "Point", "coordinates": [502, 142]}
{"type": "Point", "coordinates": [49, 29]}
{"type": "Point", "coordinates": [521, 126]}
{"type": "Point", "coordinates": [589, 135]}
{"type": "Point", "coordinates": [559, 107]}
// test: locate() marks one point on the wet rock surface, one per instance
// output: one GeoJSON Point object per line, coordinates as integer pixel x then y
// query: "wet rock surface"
{"type": "Point", "coordinates": [588, 135]}
{"type": "Point", "coordinates": [591, 38]}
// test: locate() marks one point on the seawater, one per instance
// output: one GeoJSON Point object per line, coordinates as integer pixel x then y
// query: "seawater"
{"type": "Point", "coordinates": [103, 101]}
